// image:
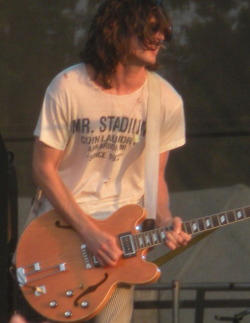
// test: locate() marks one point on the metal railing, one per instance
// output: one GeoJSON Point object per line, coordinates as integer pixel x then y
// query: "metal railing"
{"type": "Point", "coordinates": [199, 303]}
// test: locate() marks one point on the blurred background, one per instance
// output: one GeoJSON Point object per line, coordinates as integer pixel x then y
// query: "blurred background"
{"type": "Point", "coordinates": [208, 63]}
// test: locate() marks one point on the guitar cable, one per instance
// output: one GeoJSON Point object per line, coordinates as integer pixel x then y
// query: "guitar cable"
{"type": "Point", "coordinates": [12, 271]}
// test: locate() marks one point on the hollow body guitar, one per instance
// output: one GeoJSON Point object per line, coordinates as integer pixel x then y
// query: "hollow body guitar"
{"type": "Point", "coordinates": [63, 282]}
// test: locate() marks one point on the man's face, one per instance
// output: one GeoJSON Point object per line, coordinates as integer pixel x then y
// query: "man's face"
{"type": "Point", "coordinates": [145, 55]}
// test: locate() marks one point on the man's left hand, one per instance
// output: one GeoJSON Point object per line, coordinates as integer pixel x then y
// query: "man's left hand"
{"type": "Point", "coordinates": [177, 237]}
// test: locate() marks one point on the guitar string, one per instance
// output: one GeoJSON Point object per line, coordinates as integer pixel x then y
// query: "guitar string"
{"type": "Point", "coordinates": [47, 264]}
{"type": "Point", "coordinates": [67, 257]}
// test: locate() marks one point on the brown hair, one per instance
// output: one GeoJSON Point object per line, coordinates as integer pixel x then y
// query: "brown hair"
{"type": "Point", "coordinates": [108, 40]}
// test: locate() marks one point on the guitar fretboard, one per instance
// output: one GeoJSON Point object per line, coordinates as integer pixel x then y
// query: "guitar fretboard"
{"type": "Point", "coordinates": [157, 236]}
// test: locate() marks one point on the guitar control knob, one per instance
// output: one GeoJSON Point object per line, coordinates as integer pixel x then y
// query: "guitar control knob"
{"type": "Point", "coordinates": [69, 293]}
{"type": "Point", "coordinates": [85, 304]}
{"type": "Point", "coordinates": [53, 304]}
{"type": "Point", "coordinates": [67, 314]}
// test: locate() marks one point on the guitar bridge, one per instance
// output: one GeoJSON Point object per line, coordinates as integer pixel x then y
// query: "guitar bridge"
{"type": "Point", "coordinates": [34, 272]}
{"type": "Point", "coordinates": [127, 245]}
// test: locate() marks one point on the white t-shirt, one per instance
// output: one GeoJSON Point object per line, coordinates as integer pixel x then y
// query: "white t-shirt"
{"type": "Point", "coordinates": [103, 138]}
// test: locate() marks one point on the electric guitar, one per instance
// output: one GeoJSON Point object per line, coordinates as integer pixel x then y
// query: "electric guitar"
{"type": "Point", "coordinates": [62, 281]}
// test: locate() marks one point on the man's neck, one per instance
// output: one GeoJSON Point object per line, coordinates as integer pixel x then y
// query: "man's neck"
{"type": "Point", "coordinates": [126, 79]}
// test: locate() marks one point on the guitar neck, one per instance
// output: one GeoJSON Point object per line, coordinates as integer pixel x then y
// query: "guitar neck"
{"type": "Point", "coordinates": [157, 236]}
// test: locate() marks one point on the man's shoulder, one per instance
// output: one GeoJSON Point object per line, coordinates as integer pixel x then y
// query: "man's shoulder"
{"type": "Point", "coordinates": [71, 72]}
{"type": "Point", "coordinates": [67, 77]}
{"type": "Point", "coordinates": [167, 89]}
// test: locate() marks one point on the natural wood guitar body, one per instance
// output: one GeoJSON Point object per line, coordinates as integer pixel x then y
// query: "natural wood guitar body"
{"type": "Point", "coordinates": [52, 266]}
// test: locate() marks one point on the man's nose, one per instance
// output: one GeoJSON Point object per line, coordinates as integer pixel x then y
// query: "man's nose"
{"type": "Point", "coordinates": [159, 36]}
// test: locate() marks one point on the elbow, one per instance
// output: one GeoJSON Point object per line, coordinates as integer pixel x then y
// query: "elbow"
{"type": "Point", "coordinates": [43, 172]}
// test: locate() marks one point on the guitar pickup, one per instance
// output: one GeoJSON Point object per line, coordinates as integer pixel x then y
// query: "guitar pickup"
{"type": "Point", "coordinates": [127, 245]}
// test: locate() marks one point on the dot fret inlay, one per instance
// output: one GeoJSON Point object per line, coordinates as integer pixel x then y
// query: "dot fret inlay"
{"type": "Point", "coordinates": [208, 223]}
{"type": "Point", "coordinates": [158, 235]}
{"type": "Point", "coordinates": [239, 215]}
{"type": "Point", "coordinates": [223, 219]}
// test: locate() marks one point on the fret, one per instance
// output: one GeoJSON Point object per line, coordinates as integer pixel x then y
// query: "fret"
{"type": "Point", "coordinates": [169, 228]}
{"type": "Point", "coordinates": [215, 220]}
{"type": "Point", "coordinates": [208, 223]}
{"type": "Point", "coordinates": [162, 235]}
{"type": "Point", "coordinates": [157, 236]}
{"type": "Point", "coordinates": [223, 218]}
{"type": "Point", "coordinates": [188, 228]}
{"type": "Point", "coordinates": [247, 211]}
{"type": "Point", "coordinates": [147, 239]}
{"type": "Point", "coordinates": [201, 224]}
{"type": "Point", "coordinates": [154, 237]}
{"type": "Point", "coordinates": [136, 242]}
{"type": "Point", "coordinates": [239, 214]}
{"type": "Point", "coordinates": [230, 217]}
{"type": "Point", "coordinates": [194, 226]}
{"type": "Point", "coordinates": [141, 241]}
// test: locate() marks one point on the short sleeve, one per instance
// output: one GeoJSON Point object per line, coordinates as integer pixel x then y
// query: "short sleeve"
{"type": "Point", "coordinates": [172, 134]}
{"type": "Point", "coordinates": [53, 125]}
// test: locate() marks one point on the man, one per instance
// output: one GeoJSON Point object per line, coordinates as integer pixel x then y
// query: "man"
{"type": "Point", "coordinates": [90, 137]}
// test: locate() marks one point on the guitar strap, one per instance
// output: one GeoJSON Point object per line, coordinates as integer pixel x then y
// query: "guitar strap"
{"type": "Point", "coordinates": [152, 147]}
{"type": "Point", "coordinates": [152, 151]}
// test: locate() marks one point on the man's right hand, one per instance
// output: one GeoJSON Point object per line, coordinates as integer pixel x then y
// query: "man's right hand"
{"type": "Point", "coordinates": [102, 245]}
{"type": "Point", "coordinates": [45, 170]}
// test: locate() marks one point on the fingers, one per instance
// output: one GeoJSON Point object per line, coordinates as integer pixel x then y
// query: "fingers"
{"type": "Point", "coordinates": [175, 240]}
{"type": "Point", "coordinates": [109, 254]}
{"type": "Point", "coordinates": [177, 223]}
{"type": "Point", "coordinates": [102, 246]}
{"type": "Point", "coordinates": [177, 237]}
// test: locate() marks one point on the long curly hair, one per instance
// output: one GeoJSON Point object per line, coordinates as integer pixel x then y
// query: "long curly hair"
{"type": "Point", "coordinates": [109, 36]}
